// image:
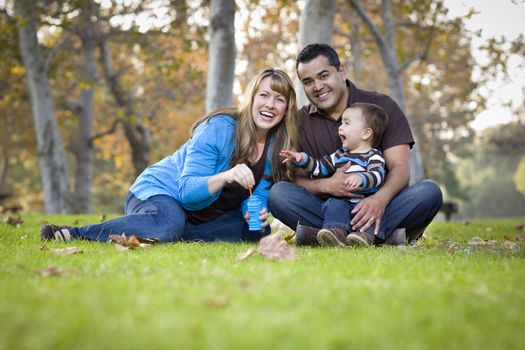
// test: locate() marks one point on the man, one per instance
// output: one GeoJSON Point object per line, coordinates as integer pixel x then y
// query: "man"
{"type": "Point", "coordinates": [394, 205]}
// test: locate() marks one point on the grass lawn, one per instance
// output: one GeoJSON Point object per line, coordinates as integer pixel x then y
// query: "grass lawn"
{"type": "Point", "coordinates": [199, 296]}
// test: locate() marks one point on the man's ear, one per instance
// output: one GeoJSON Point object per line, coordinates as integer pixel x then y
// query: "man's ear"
{"type": "Point", "coordinates": [342, 71]}
{"type": "Point", "coordinates": [367, 134]}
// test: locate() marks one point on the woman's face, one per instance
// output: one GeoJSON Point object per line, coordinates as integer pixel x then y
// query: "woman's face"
{"type": "Point", "coordinates": [269, 107]}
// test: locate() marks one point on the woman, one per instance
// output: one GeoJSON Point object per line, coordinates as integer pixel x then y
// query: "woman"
{"type": "Point", "coordinates": [197, 193]}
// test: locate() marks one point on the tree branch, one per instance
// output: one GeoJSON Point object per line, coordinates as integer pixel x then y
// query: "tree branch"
{"type": "Point", "coordinates": [380, 40]}
{"type": "Point", "coordinates": [111, 130]}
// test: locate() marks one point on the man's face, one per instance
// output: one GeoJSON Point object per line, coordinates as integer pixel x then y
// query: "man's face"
{"type": "Point", "coordinates": [324, 85]}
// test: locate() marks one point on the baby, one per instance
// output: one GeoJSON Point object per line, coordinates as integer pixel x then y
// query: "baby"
{"type": "Point", "coordinates": [360, 131]}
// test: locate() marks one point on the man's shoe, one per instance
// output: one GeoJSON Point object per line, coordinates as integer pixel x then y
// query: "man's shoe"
{"type": "Point", "coordinates": [306, 235]}
{"type": "Point", "coordinates": [398, 237]}
{"type": "Point", "coordinates": [360, 239]}
{"type": "Point", "coordinates": [58, 233]}
{"type": "Point", "coordinates": [332, 237]}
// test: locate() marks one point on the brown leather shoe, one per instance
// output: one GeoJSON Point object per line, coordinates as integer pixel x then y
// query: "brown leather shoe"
{"type": "Point", "coordinates": [332, 236]}
{"type": "Point", "coordinates": [360, 239]}
{"type": "Point", "coordinates": [306, 235]}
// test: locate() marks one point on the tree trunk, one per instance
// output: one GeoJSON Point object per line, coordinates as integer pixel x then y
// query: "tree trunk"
{"type": "Point", "coordinates": [316, 26]}
{"type": "Point", "coordinates": [387, 49]}
{"type": "Point", "coordinates": [221, 56]}
{"type": "Point", "coordinates": [83, 148]}
{"type": "Point", "coordinates": [137, 134]}
{"type": "Point", "coordinates": [51, 153]}
{"type": "Point", "coordinates": [356, 48]}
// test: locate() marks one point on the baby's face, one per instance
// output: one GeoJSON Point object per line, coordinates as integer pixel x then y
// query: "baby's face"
{"type": "Point", "coordinates": [352, 128]}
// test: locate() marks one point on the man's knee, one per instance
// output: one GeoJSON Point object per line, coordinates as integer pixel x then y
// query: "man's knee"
{"type": "Point", "coordinates": [277, 194]}
{"type": "Point", "coordinates": [431, 192]}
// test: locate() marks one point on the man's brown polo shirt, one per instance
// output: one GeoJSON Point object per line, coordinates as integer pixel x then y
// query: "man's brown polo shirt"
{"type": "Point", "coordinates": [319, 134]}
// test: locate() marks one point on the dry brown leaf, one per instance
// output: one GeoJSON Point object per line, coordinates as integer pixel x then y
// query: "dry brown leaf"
{"type": "Point", "coordinates": [133, 242]}
{"type": "Point", "coordinates": [246, 254]}
{"type": "Point", "coordinates": [274, 247]}
{"type": "Point", "coordinates": [453, 248]}
{"type": "Point", "coordinates": [476, 241]}
{"type": "Point", "coordinates": [119, 239]}
{"type": "Point", "coordinates": [511, 245]}
{"type": "Point", "coordinates": [57, 271]}
{"type": "Point", "coordinates": [148, 240]}
{"type": "Point", "coordinates": [14, 221]}
{"type": "Point", "coordinates": [217, 302]}
{"type": "Point", "coordinates": [520, 227]}
{"type": "Point", "coordinates": [121, 248]}
{"type": "Point", "coordinates": [67, 251]}
{"type": "Point", "coordinates": [43, 247]}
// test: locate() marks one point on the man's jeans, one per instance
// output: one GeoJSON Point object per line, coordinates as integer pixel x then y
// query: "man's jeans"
{"type": "Point", "coordinates": [163, 218]}
{"type": "Point", "coordinates": [413, 208]}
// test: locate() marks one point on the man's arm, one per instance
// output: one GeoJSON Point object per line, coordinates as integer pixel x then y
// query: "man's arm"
{"type": "Point", "coordinates": [371, 209]}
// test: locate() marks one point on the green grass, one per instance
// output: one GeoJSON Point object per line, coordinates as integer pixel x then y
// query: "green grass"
{"type": "Point", "coordinates": [195, 296]}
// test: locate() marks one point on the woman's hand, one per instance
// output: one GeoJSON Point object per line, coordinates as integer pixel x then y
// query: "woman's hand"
{"type": "Point", "coordinates": [242, 175]}
{"type": "Point", "coordinates": [263, 216]}
{"type": "Point", "coordinates": [239, 173]}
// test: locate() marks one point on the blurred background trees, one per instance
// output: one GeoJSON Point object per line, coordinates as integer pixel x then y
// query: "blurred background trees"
{"type": "Point", "coordinates": [128, 78]}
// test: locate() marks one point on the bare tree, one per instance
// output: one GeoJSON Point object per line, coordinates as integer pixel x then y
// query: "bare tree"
{"type": "Point", "coordinates": [387, 49]}
{"type": "Point", "coordinates": [137, 134]}
{"type": "Point", "coordinates": [51, 153]}
{"type": "Point", "coordinates": [83, 147]}
{"type": "Point", "coordinates": [219, 91]}
{"type": "Point", "coordinates": [316, 26]}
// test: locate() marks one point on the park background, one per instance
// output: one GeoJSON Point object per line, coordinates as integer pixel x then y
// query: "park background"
{"type": "Point", "coordinates": [116, 86]}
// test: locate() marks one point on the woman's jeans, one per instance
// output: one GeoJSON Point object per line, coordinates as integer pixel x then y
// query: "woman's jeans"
{"type": "Point", "coordinates": [163, 218]}
{"type": "Point", "coordinates": [413, 208]}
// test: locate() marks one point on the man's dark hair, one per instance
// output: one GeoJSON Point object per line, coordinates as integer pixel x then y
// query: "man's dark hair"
{"type": "Point", "coordinates": [309, 52]}
{"type": "Point", "coordinates": [375, 118]}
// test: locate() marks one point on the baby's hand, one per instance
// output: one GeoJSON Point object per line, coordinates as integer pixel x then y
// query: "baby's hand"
{"type": "Point", "coordinates": [296, 157]}
{"type": "Point", "coordinates": [353, 182]}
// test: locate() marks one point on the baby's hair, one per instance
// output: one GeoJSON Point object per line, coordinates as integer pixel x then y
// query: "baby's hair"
{"type": "Point", "coordinates": [375, 118]}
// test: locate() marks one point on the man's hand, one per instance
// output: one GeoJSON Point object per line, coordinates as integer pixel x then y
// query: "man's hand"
{"type": "Point", "coordinates": [368, 212]}
{"type": "Point", "coordinates": [336, 185]}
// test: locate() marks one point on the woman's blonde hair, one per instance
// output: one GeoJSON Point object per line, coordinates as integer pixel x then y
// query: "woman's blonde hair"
{"type": "Point", "coordinates": [286, 133]}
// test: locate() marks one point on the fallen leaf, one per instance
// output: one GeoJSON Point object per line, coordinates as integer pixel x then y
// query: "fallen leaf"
{"type": "Point", "coordinates": [133, 242]}
{"type": "Point", "coordinates": [43, 247]}
{"type": "Point", "coordinates": [453, 248]}
{"type": "Point", "coordinates": [120, 239]}
{"type": "Point", "coordinates": [148, 240]}
{"type": "Point", "coordinates": [102, 217]}
{"type": "Point", "coordinates": [76, 222]}
{"type": "Point", "coordinates": [67, 251]}
{"type": "Point", "coordinates": [476, 241]}
{"type": "Point", "coordinates": [466, 222]}
{"type": "Point", "coordinates": [57, 271]}
{"type": "Point", "coordinates": [14, 221]}
{"type": "Point", "coordinates": [511, 245]}
{"type": "Point", "coordinates": [520, 227]}
{"type": "Point", "coordinates": [274, 247]}
{"type": "Point", "coordinates": [246, 254]}
{"type": "Point", "coordinates": [217, 303]}
{"type": "Point", "coordinates": [121, 248]}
